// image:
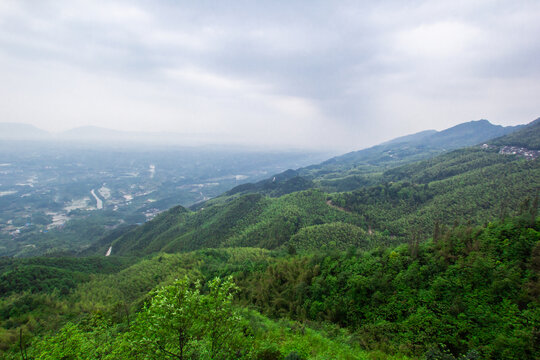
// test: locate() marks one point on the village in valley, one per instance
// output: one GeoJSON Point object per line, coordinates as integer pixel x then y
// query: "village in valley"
{"type": "Point", "coordinates": [515, 150]}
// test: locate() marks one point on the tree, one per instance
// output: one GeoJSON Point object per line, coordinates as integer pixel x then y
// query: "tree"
{"type": "Point", "coordinates": [166, 326]}
{"type": "Point", "coordinates": [180, 322]}
{"type": "Point", "coordinates": [71, 342]}
{"type": "Point", "coordinates": [534, 210]}
{"type": "Point", "coordinates": [221, 322]}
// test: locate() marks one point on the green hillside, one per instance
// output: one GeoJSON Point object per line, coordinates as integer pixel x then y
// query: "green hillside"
{"type": "Point", "coordinates": [465, 186]}
{"type": "Point", "coordinates": [471, 292]}
{"type": "Point", "coordinates": [48, 274]}
{"type": "Point", "coordinates": [248, 220]}
{"type": "Point", "coordinates": [332, 236]}
{"type": "Point", "coordinates": [526, 137]}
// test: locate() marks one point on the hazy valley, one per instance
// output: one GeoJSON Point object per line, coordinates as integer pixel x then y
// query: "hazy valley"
{"type": "Point", "coordinates": [52, 194]}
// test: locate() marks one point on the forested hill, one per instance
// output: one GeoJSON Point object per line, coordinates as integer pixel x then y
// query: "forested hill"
{"type": "Point", "coordinates": [423, 143]}
{"type": "Point", "coordinates": [527, 137]}
{"type": "Point", "coordinates": [361, 168]}
{"type": "Point", "coordinates": [472, 185]}
{"type": "Point", "coordinates": [249, 220]}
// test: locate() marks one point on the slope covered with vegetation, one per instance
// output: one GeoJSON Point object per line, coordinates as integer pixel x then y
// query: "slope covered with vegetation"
{"type": "Point", "coordinates": [470, 185]}
{"type": "Point", "coordinates": [526, 137]}
{"type": "Point", "coordinates": [248, 220]}
{"type": "Point", "coordinates": [469, 291]}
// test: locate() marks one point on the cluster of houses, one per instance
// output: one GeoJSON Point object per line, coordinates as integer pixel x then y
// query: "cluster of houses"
{"type": "Point", "coordinates": [514, 150]}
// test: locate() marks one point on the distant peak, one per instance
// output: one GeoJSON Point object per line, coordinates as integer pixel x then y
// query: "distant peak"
{"type": "Point", "coordinates": [473, 124]}
{"type": "Point", "coordinates": [479, 122]}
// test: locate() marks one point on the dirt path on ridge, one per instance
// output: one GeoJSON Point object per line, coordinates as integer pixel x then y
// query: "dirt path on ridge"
{"type": "Point", "coordinates": [329, 203]}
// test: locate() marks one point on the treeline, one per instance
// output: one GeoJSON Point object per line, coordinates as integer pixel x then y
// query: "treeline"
{"type": "Point", "coordinates": [48, 274]}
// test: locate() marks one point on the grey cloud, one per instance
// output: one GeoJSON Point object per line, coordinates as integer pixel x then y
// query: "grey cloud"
{"type": "Point", "coordinates": [340, 74]}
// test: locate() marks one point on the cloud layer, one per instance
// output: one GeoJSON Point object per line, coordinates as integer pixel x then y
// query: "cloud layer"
{"type": "Point", "coordinates": [306, 74]}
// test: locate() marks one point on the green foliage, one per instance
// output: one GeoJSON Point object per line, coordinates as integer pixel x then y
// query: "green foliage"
{"type": "Point", "coordinates": [181, 322]}
{"type": "Point", "coordinates": [249, 220]}
{"type": "Point", "coordinates": [471, 185]}
{"type": "Point", "coordinates": [187, 320]}
{"type": "Point", "coordinates": [285, 216]}
{"type": "Point", "coordinates": [472, 291]}
{"type": "Point", "coordinates": [118, 293]}
{"type": "Point", "coordinates": [475, 289]}
{"type": "Point", "coordinates": [336, 236]}
{"type": "Point", "coordinates": [442, 353]}
{"type": "Point", "coordinates": [49, 274]}
{"type": "Point", "coordinates": [89, 339]}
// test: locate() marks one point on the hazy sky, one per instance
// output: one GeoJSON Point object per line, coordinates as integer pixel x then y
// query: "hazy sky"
{"type": "Point", "coordinates": [337, 73]}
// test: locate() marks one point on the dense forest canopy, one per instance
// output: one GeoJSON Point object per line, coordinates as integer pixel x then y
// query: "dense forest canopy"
{"type": "Point", "coordinates": [466, 291]}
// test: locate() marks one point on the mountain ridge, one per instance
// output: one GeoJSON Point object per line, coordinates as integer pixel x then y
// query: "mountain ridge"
{"type": "Point", "coordinates": [359, 168]}
{"type": "Point", "coordinates": [526, 137]}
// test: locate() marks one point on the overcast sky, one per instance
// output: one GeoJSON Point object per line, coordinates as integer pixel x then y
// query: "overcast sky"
{"type": "Point", "coordinates": [336, 74]}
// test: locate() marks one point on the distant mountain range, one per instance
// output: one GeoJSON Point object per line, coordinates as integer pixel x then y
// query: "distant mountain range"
{"type": "Point", "coordinates": [95, 134]}
{"type": "Point", "coordinates": [465, 134]}
{"type": "Point", "coordinates": [16, 131]}
{"type": "Point", "coordinates": [360, 168]}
